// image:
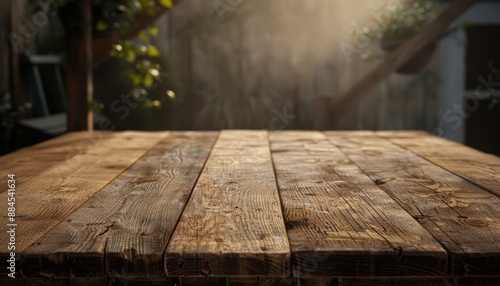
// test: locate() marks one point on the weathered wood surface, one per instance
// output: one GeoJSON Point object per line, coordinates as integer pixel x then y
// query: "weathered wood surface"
{"type": "Point", "coordinates": [463, 217]}
{"type": "Point", "coordinates": [480, 168]}
{"type": "Point", "coordinates": [31, 161]}
{"type": "Point", "coordinates": [405, 281]}
{"type": "Point", "coordinates": [125, 227]}
{"type": "Point", "coordinates": [339, 221]}
{"type": "Point", "coordinates": [254, 208]}
{"type": "Point", "coordinates": [46, 199]}
{"type": "Point", "coordinates": [232, 224]}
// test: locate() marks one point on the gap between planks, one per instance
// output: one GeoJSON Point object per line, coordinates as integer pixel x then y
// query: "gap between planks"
{"type": "Point", "coordinates": [52, 195]}
{"type": "Point", "coordinates": [124, 229]}
{"type": "Point", "coordinates": [31, 161]}
{"type": "Point", "coordinates": [339, 222]}
{"type": "Point", "coordinates": [475, 166]}
{"type": "Point", "coordinates": [232, 224]}
{"type": "Point", "coordinates": [462, 216]}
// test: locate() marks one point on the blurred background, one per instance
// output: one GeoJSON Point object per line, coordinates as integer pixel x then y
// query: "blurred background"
{"type": "Point", "coordinates": [246, 64]}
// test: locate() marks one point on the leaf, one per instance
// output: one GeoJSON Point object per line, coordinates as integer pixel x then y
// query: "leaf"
{"type": "Point", "coordinates": [148, 80]}
{"type": "Point", "coordinates": [143, 36]}
{"type": "Point", "coordinates": [153, 30]}
{"type": "Point", "coordinates": [167, 3]}
{"type": "Point", "coordinates": [136, 79]}
{"type": "Point", "coordinates": [154, 104]}
{"type": "Point", "coordinates": [153, 51]}
{"type": "Point", "coordinates": [130, 57]}
{"type": "Point", "coordinates": [101, 26]}
{"type": "Point", "coordinates": [141, 50]}
{"type": "Point", "coordinates": [150, 10]}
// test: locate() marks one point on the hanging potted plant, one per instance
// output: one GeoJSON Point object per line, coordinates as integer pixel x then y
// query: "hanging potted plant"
{"type": "Point", "coordinates": [398, 22]}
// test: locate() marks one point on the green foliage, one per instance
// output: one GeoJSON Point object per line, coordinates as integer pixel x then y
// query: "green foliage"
{"type": "Point", "coordinates": [119, 13]}
{"type": "Point", "coordinates": [401, 20]}
{"type": "Point", "coordinates": [140, 55]}
{"type": "Point", "coordinates": [395, 22]}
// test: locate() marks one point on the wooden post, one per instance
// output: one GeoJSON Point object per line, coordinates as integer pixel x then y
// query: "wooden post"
{"type": "Point", "coordinates": [401, 55]}
{"type": "Point", "coordinates": [79, 87]}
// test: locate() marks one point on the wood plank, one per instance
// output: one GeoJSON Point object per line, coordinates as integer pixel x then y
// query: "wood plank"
{"type": "Point", "coordinates": [400, 133]}
{"type": "Point", "coordinates": [178, 171]}
{"type": "Point", "coordinates": [339, 222]}
{"type": "Point", "coordinates": [261, 281]}
{"type": "Point", "coordinates": [401, 55]}
{"type": "Point", "coordinates": [211, 281]}
{"type": "Point", "coordinates": [49, 197]}
{"type": "Point", "coordinates": [463, 217]}
{"type": "Point", "coordinates": [480, 168]}
{"type": "Point", "coordinates": [29, 162]}
{"type": "Point", "coordinates": [124, 228]}
{"type": "Point", "coordinates": [34, 281]}
{"type": "Point", "coordinates": [425, 281]}
{"type": "Point", "coordinates": [143, 281]}
{"type": "Point", "coordinates": [232, 224]}
{"type": "Point", "coordinates": [89, 281]}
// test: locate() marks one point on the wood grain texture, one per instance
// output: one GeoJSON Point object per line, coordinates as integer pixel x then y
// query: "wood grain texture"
{"type": "Point", "coordinates": [91, 281]}
{"type": "Point", "coordinates": [419, 281]}
{"type": "Point", "coordinates": [464, 218]}
{"type": "Point", "coordinates": [18, 281]}
{"type": "Point", "coordinates": [480, 168]}
{"type": "Point", "coordinates": [340, 222]}
{"type": "Point", "coordinates": [124, 228]}
{"type": "Point", "coordinates": [46, 199]}
{"type": "Point", "coordinates": [31, 161]}
{"type": "Point", "coordinates": [232, 224]}
{"type": "Point", "coordinates": [262, 281]}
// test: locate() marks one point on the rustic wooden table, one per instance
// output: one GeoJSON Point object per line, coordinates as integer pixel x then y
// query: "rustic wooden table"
{"type": "Point", "coordinates": [252, 208]}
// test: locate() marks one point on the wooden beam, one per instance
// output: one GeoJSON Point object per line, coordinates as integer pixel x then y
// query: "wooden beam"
{"type": "Point", "coordinates": [102, 46]}
{"type": "Point", "coordinates": [79, 72]}
{"type": "Point", "coordinates": [401, 55]}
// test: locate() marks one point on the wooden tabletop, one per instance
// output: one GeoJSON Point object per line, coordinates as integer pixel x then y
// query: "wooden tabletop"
{"type": "Point", "coordinates": [280, 204]}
